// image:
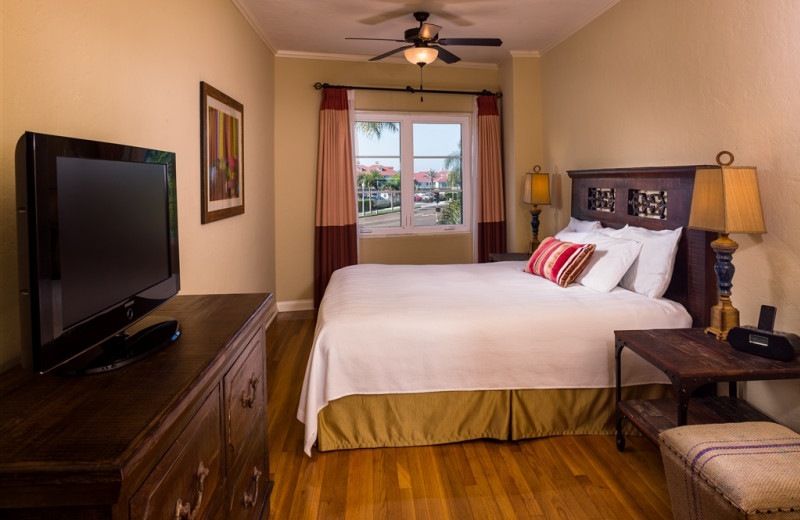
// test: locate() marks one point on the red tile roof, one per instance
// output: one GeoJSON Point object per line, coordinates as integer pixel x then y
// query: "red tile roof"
{"type": "Point", "coordinates": [386, 171]}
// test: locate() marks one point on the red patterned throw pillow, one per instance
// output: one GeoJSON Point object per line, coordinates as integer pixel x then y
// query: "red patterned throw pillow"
{"type": "Point", "coordinates": [558, 261]}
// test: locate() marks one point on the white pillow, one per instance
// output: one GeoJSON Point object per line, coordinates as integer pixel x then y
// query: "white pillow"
{"type": "Point", "coordinates": [611, 259]}
{"type": "Point", "coordinates": [616, 233]}
{"type": "Point", "coordinates": [651, 273]}
{"type": "Point", "coordinates": [579, 226]}
{"type": "Point", "coordinates": [584, 226]}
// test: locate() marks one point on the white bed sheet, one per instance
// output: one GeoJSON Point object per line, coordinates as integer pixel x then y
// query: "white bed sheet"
{"type": "Point", "coordinates": [388, 329]}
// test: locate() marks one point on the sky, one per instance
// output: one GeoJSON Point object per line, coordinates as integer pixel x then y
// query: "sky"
{"type": "Point", "coordinates": [430, 139]}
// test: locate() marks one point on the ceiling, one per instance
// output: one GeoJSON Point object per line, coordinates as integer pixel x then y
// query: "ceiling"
{"type": "Point", "coordinates": [317, 28]}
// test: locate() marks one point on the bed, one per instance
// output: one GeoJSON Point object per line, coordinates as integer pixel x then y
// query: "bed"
{"type": "Point", "coordinates": [420, 355]}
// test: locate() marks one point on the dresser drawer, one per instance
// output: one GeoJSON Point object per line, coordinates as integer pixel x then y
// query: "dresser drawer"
{"type": "Point", "coordinates": [186, 481]}
{"type": "Point", "coordinates": [245, 389]}
{"type": "Point", "coordinates": [252, 485]}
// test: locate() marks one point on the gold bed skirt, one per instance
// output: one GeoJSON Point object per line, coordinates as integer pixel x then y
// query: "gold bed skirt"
{"type": "Point", "coordinates": [371, 421]}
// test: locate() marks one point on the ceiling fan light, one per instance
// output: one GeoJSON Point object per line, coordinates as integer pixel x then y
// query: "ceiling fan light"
{"type": "Point", "coordinates": [417, 55]}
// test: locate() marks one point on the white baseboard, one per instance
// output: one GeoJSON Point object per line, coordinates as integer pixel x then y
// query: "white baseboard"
{"type": "Point", "coordinates": [296, 305]}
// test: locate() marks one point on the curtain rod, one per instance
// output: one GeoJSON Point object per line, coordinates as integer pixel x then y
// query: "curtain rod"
{"type": "Point", "coordinates": [412, 90]}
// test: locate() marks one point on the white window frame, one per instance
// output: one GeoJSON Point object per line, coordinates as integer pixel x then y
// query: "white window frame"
{"type": "Point", "coordinates": [407, 120]}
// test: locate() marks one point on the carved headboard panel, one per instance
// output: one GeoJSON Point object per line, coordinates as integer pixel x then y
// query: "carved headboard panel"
{"type": "Point", "coordinates": [654, 198]}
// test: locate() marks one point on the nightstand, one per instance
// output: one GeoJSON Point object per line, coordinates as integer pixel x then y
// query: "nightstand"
{"type": "Point", "coordinates": [691, 359]}
{"type": "Point", "coordinates": [508, 257]}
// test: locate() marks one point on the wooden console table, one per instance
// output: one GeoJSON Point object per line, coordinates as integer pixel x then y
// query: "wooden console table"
{"type": "Point", "coordinates": [181, 434]}
{"type": "Point", "coordinates": [692, 359]}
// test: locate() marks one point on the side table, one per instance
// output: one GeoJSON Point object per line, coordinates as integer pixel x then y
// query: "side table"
{"type": "Point", "coordinates": [692, 359]}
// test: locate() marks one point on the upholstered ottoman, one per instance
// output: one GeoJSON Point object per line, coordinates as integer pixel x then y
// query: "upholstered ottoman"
{"type": "Point", "coordinates": [732, 470]}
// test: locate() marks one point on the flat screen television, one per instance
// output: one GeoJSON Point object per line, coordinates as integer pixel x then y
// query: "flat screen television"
{"type": "Point", "coordinates": [98, 252]}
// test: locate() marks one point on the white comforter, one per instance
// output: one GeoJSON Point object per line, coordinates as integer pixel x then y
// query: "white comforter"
{"type": "Point", "coordinates": [386, 329]}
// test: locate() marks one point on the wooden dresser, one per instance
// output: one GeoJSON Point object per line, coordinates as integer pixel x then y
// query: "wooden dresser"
{"type": "Point", "coordinates": [180, 435]}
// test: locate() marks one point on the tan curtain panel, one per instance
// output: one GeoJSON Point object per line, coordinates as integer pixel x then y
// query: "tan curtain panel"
{"type": "Point", "coordinates": [491, 208]}
{"type": "Point", "coordinates": [335, 234]}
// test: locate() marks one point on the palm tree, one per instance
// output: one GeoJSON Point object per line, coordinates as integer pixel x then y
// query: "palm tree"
{"type": "Point", "coordinates": [431, 176]}
{"type": "Point", "coordinates": [393, 185]}
{"type": "Point", "coordinates": [452, 211]}
{"type": "Point", "coordinates": [373, 129]}
{"type": "Point", "coordinates": [452, 163]}
{"type": "Point", "coordinates": [368, 181]}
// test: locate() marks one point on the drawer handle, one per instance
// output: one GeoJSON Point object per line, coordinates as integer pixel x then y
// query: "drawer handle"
{"type": "Point", "coordinates": [248, 400]}
{"type": "Point", "coordinates": [185, 511]}
{"type": "Point", "coordinates": [249, 500]}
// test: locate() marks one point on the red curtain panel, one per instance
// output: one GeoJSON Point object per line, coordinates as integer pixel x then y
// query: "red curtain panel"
{"type": "Point", "coordinates": [491, 208]}
{"type": "Point", "coordinates": [335, 234]}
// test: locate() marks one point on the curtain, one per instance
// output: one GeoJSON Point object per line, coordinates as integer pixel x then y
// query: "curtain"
{"type": "Point", "coordinates": [491, 207]}
{"type": "Point", "coordinates": [335, 233]}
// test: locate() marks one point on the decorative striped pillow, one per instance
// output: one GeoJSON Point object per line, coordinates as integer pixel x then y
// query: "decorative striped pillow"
{"type": "Point", "coordinates": [558, 261]}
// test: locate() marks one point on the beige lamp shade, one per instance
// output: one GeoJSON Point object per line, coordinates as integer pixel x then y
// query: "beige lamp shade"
{"type": "Point", "coordinates": [727, 200]}
{"type": "Point", "coordinates": [537, 188]}
{"type": "Point", "coordinates": [417, 55]}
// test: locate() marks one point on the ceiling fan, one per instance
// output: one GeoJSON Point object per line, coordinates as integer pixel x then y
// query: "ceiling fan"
{"type": "Point", "coordinates": [425, 45]}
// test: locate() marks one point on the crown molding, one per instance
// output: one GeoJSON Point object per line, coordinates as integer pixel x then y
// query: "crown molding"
{"type": "Point", "coordinates": [251, 20]}
{"type": "Point", "coordinates": [525, 54]}
{"type": "Point", "coordinates": [364, 58]}
{"type": "Point", "coordinates": [519, 54]}
{"type": "Point", "coordinates": [590, 17]}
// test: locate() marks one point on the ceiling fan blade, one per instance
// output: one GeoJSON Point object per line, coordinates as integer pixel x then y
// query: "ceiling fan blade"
{"type": "Point", "coordinates": [387, 54]}
{"type": "Point", "coordinates": [428, 31]}
{"type": "Point", "coordinates": [484, 42]}
{"type": "Point", "coordinates": [378, 39]}
{"type": "Point", "coordinates": [384, 17]}
{"type": "Point", "coordinates": [446, 56]}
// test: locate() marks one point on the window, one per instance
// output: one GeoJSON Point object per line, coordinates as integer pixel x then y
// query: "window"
{"type": "Point", "coordinates": [412, 173]}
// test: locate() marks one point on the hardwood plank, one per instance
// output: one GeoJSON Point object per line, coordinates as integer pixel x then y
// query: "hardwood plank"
{"type": "Point", "coordinates": [359, 505]}
{"type": "Point", "coordinates": [570, 477]}
{"type": "Point", "coordinates": [484, 502]}
{"type": "Point", "coordinates": [423, 508]}
{"type": "Point", "coordinates": [486, 452]}
{"type": "Point", "coordinates": [385, 488]}
{"type": "Point", "coordinates": [404, 483]}
{"type": "Point", "coordinates": [639, 498]}
{"type": "Point", "coordinates": [516, 466]}
{"type": "Point", "coordinates": [333, 492]}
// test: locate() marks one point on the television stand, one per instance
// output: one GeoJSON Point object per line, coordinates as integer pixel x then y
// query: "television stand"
{"type": "Point", "coordinates": [180, 434]}
{"type": "Point", "coordinates": [139, 341]}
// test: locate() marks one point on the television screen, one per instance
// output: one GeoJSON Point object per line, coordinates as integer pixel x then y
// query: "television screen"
{"type": "Point", "coordinates": [98, 251]}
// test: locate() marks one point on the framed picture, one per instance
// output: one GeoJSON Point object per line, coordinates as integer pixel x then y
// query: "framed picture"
{"type": "Point", "coordinates": [222, 155]}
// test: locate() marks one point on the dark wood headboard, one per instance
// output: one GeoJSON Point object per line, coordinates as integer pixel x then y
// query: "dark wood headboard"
{"type": "Point", "coordinates": [654, 198]}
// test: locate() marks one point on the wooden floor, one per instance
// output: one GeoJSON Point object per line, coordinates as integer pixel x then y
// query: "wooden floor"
{"type": "Point", "coordinates": [578, 477]}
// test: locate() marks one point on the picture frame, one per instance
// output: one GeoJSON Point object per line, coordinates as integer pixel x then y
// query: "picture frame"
{"type": "Point", "coordinates": [221, 154]}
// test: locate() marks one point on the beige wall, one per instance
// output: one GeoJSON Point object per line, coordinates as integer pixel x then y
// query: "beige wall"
{"type": "Point", "coordinates": [522, 140]}
{"type": "Point", "coordinates": [129, 72]}
{"type": "Point", "coordinates": [296, 120]}
{"type": "Point", "coordinates": [668, 83]}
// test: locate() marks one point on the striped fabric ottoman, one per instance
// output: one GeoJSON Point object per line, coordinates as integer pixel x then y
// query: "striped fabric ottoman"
{"type": "Point", "coordinates": [732, 470]}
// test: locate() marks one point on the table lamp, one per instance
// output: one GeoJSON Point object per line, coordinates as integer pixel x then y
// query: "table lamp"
{"type": "Point", "coordinates": [535, 192]}
{"type": "Point", "coordinates": [725, 200]}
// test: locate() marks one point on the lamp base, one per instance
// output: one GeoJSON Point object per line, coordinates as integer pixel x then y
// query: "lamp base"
{"type": "Point", "coordinates": [535, 211]}
{"type": "Point", "coordinates": [724, 317]}
{"type": "Point", "coordinates": [534, 245]}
